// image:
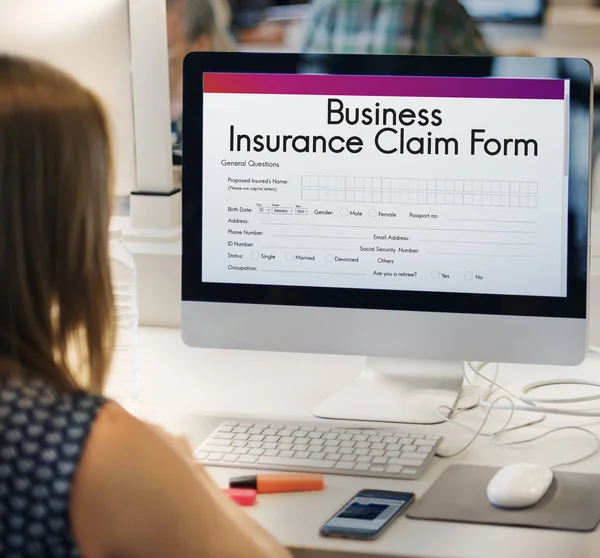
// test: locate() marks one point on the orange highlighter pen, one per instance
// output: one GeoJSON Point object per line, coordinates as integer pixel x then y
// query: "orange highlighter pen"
{"type": "Point", "coordinates": [270, 484]}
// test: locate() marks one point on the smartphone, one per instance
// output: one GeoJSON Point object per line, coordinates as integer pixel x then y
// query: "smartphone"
{"type": "Point", "coordinates": [367, 514]}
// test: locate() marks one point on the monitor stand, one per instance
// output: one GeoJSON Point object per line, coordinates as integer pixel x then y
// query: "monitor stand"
{"type": "Point", "coordinates": [397, 390]}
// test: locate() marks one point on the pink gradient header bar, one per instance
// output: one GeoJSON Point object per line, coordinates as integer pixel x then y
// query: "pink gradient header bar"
{"type": "Point", "coordinates": [384, 86]}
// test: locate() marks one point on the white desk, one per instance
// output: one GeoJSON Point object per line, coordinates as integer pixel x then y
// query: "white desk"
{"type": "Point", "coordinates": [182, 382]}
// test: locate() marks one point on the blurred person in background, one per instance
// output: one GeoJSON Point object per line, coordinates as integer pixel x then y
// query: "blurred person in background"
{"type": "Point", "coordinates": [250, 24]}
{"type": "Point", "coordinates": [392, 27]}
{"type": "Point", "coordinates": [193, 25]}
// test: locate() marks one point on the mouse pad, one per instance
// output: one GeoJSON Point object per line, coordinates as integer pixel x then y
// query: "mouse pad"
{"type": "Point", "coordinates": [571, 504]}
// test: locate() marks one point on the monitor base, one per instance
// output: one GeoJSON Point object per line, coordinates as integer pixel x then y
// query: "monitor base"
{"type": "Point", "coordinates": [397, 390]}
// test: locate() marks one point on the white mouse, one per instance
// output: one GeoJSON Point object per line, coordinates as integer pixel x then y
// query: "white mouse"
{"type": "Point", "coordinates": [519, 485]}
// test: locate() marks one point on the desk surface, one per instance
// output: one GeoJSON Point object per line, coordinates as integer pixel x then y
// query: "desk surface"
{"type": "Point", "coordinates": [184, 384]}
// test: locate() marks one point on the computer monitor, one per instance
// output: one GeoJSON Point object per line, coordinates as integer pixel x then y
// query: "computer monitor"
{"type": "Point", "coordinates": [419, 211]}
{"type": "Point", "coordinates": [506, 11]}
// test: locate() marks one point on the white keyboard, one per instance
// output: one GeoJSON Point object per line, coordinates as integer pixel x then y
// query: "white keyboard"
{"type": "Point", "coordinates": [386, 453]}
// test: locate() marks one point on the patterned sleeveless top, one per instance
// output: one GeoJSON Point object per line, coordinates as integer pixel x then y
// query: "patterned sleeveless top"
{"type": "Point", "coordinates": [42, 434]}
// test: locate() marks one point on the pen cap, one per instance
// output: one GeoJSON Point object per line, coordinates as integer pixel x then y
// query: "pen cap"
{"type": "Point", "coordinates": [243, 496]}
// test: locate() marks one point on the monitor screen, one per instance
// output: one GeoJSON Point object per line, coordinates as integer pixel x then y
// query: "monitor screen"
{"type": "Point", "coordinates": [506, 10]}
{"type": "Point", "coordinates": [430, 184]}
{"type": "Point", "coordinates": [396, 183]}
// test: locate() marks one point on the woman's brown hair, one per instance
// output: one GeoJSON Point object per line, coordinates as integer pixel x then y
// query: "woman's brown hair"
{"type": "Point", "coordinates": [56, 304]}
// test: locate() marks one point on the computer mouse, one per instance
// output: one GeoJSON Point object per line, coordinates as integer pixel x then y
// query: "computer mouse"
{"type": "Point", "coordinates": [519, 485]}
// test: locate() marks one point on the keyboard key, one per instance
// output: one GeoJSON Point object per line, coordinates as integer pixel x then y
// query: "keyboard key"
{"type": "Point", "coordinates": [241, 451]}
{"type": "Point", "coordinates": [344, 465]}
{"type": "Point", "coordinates": [375, 439]}
{"type": "Point", "coordinates": [345, 437]}
{"type": "Point", "coordinates": [294, 462]}
{"type": "Point", "coordinates": [360, 438]}
{"type": "Point", "coordinates": [361, 451]}
{"type": "Point", "coordinates": [424, 449]}
{"type": "Point", "coordinates": [255, 431]}
{"type": "Point", "coordinates": [284, 447]}
{"type": "Point", "coordinates": [272, 453]}
{"type": "Point", "coordinates": [247, 424]}
{"type": "Point", "coordinates": [390, 440]}
{"type": "Point", "coordinates": [412, 455]}
{"type": "Point", "coordinates": [322, 429]}
{"type": "Point", "coordinates": [345, 451]}
{"type": "Point", "coordinates": [270, 432]}
{"type": "Point", "coordinates": [333, 456]}
{"type": "Point", "coordinates": [364, 459]}
{"type": "Point", "coordinates": [376, 453]}
{"type": "Point", "coordinates": [271, 438]}
{"type": "Point", "coordinates": [201, 455]}
{"type": "Point", "coordinates": [256, 438]}
{"type": "Point", "coordinates": [392, 454]}
{"type": "Point", "coordinates": [378, 446]}
{"type": "Point", "coordinates": [315, 434]}
{"type": "Point", "coordinates": [394, 447]}
{"type": "Point", "coordinates": [218, 442]}
{"type": "Point", "coordinates": [269, 445]}
{"type": "Point", "coordinates": [364, 445]}
{"type": "Point", "coordinates": [379, 460]}
{"type": "Point", "coordinates": [232, 458]}
{"type": "Point", "coordinates": [405, 462]}
{"type": "Point", "coordinates": [394, 469]}
{"type": "Point", "coordinates": [229, 423]}
{"type": "Point", "coordinates": [410, 447]}
{"type": "Point", "coordinates": [286, 454]}
{"type": "Point", "coordinates": [330, 436]}
{"type": "Point", "coordinates": [256, 452]}
{"type": "Point", "coordinates": [250, 459]}
{"type": "Point", "coordinates": [411, 472]}
{"type": "Point", "coordinates": [217, 449]}
{"type": "Point", "coordinates": [302, 454]}
{"type": "Point", "coordinates": [377, 469]}
{"type": "Point", "coordinates": [242, 437]}
{"type": "Point", "coordinates": [240, 430]}
{"type": "Point", "coordinates": [362, 467]}
{"type": "Point", "coordinates": [406, 441]}
{"type": "Point", "coordinates": [214, 457]}
{"type": "Point", "coordinates": [285, 432]}
{"type": "Point", "coordinates": [332, 443]}
{"type": "Point", "coordinates": [288, 439]}
{"type": "Point", "coordinates": [222, 436]}
{"type": "Point", "coordinates": [426, 442]}
{"type": "Point", "coordinates": [319, 455]}
{"type": "Point", "coordinates": [316, 442]}
{"type": "Point", "coordinates": [348, 458]}
{"type": "Point", "coordinates": [239, 444]}
{"type": "Point", "coordinates": [300, 434]}
{"type": "Point", "coordinates": [347, 444]}
{"type": "Point", "coordinates": [254, 445]}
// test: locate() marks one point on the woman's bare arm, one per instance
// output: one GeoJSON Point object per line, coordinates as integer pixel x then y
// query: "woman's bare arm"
{"type": "Point", "coordinates": [136, 495]}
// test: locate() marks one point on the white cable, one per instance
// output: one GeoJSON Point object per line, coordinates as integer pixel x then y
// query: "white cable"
{"type": "Point", "coordinates": [506, 428]}
{"type": "Point", "coordinates": [594, 349]}
{"type": "Point", "coordinates": [478, 432]}
{"type": "Point", "coordinates": [554, 431]}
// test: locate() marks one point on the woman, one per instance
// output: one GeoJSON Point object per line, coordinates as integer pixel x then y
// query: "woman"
{"type": "Point", "coordinates": [78, 475]}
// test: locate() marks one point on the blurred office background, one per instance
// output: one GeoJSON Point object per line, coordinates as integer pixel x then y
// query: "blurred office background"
{"type": "Point", "coordinates": [561, 28]}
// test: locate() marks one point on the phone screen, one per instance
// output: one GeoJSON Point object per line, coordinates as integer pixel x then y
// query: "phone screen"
{"type": "Point", "coordinates": [367, 513]}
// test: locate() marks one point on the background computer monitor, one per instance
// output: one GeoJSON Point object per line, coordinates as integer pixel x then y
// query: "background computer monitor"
{"type": "Point", "coordinates": [478, 256]}
{"type": "Point", "coordinates": [118, 49]}
{"type": "Point", "coordinates": [506, 11]}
